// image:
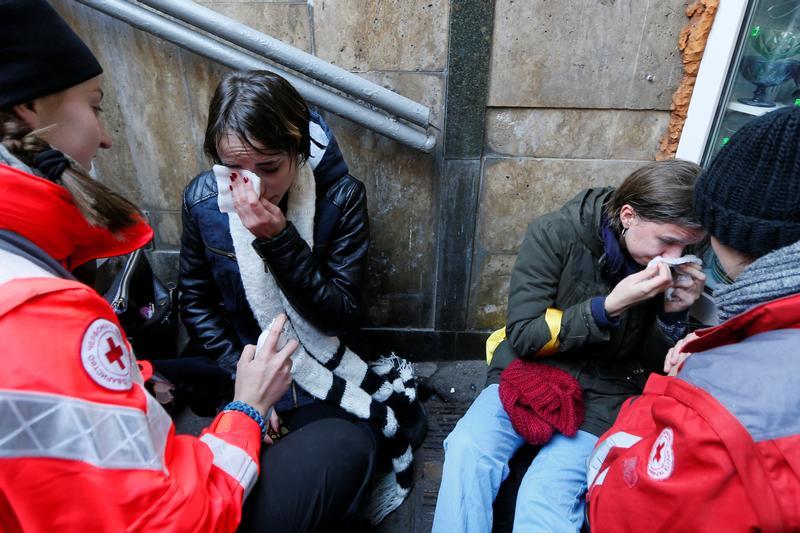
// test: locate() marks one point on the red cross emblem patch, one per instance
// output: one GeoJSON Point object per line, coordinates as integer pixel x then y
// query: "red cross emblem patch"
{"type": "Point", "coordinates": [105, 355]}
{"type": "Point", "coordinates": [662, 456]}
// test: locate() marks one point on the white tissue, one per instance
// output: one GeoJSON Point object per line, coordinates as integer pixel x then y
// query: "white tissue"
{"type": "Point", "coordinates": [223, 175]}
{"type": "Point", "coordinates": [282, 339]}
{"type": "Point", "coordinates": [673, 261]}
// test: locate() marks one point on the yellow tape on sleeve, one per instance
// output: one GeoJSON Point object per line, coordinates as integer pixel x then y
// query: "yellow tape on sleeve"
{"type": "Point", "coordinates": [493, 342]}
{"type": "Point", "coordinates": [553, 319]}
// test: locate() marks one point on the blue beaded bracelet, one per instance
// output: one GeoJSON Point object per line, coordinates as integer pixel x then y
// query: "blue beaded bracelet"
{"type": "Point", "coordinates": [250, 411]}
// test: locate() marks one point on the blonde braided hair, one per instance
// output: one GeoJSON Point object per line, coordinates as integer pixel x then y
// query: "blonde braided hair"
{"type": "Point", "coordinates": [99, 205]}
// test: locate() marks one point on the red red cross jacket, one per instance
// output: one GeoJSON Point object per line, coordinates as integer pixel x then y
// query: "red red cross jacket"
{"type": "Point", "coordinates": [718, 447]}
{"type": "Point", "coordinates": [83, 446]}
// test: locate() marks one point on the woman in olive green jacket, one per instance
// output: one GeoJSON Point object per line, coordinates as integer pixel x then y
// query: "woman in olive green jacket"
{"type": "Point", "coordinates": [581, 299]}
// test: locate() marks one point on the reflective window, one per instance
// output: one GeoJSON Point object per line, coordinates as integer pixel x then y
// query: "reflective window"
{"type": "Point", "coordinates": [766, 69]}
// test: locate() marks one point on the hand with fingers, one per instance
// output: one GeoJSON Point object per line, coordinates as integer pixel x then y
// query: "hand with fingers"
{"type": "Point", "coordinates": [264, 219]}
{"type": "Point", "coordinates": [686, 289]}
{"type": "Point", "coordinates": [275, 425]}
{"type": "Point", "coordinates": [263, 377]}
{"type": "Point", "coordinates": [638, 288]}
{"type": "Point", "coordinates": [677, 355]}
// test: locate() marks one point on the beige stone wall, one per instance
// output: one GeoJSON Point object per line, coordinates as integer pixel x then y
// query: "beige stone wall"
{"type": "Point", "coordinates": [401, 45]}
{"type": "Point", "coordinates": [579, 95]}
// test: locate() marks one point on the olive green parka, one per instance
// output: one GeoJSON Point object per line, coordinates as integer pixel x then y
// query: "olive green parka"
{"type": "Point", "coordinates": [561, 265]}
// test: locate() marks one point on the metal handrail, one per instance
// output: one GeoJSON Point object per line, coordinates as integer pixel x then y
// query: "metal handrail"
{"type": "Point", "coordinates": [318, 69]}
{"type": "Point", "coordinates": [192, 40]}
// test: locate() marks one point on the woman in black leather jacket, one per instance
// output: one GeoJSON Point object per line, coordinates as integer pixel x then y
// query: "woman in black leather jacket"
{"type": "Point", "coordinates": [314, 478]}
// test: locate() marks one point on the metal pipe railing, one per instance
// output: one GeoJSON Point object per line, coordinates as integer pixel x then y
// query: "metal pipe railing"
{"type": "Point", "coordinates": [242, 35]}
{"type": "Point", "coordinates": [173, 32]}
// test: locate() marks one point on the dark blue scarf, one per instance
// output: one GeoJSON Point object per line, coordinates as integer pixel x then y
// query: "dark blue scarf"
{"type": "Point", "coordinates": [617, 264]}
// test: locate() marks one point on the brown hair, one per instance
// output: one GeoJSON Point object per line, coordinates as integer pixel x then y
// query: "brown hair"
{"type": "Point", "coordinates": [258, 107]}
{"type": "Point", "coordinates": [661, 191]}
{"type": "Point", "coordinates": [99, 205]}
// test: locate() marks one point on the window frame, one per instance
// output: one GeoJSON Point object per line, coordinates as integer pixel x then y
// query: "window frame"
{"type": "Point", "coordinates": [712, 79]}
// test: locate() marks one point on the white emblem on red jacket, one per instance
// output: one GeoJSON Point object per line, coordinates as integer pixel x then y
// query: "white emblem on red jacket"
{"type": "Point", "coordinates": [105, 355]}
{"type": "Point", "coordinates": [662, 456]}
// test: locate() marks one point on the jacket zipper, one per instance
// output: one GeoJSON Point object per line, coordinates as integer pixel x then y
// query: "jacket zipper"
{"type": "Point", "coordinates": [229, 255]}
{"type": "Point", "coordinates": [130, 265]}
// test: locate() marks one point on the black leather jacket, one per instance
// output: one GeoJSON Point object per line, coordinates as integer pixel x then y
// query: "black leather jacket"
{"type": "Point", "coordinates": [323, 284]}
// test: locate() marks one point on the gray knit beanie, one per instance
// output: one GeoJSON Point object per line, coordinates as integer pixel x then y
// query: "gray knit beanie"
{"type": "Point", "coordinates": [749, 197]}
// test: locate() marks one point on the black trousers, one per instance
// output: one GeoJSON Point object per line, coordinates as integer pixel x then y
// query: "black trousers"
{"type": "Point", "coordinates": [315, 478]}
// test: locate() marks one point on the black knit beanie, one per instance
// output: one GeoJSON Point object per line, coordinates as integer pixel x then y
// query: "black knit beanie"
{"type": "Point", "coordinates": [41, 55]}
{"type": "Point", "coordinates": [749, 197]}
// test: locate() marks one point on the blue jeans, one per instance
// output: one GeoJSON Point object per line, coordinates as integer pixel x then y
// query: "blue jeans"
{"type": "Point", "coordinates": [551, 496]}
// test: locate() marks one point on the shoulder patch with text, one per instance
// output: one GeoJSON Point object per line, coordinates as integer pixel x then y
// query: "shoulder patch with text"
{"type": "Point", "coordinates": [105, 355]}
{"type": "Point", "coordinates": [662, 456]}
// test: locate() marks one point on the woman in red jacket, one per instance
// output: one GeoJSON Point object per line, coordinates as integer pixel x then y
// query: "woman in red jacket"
{"type": "Point", "coordinates": [82, 443]}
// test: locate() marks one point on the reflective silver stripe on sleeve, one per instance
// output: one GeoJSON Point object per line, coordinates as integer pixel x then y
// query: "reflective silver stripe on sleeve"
{"type": "Point", "coordinates": [619, 439]}
{"type": "Point", "coordinates": [602, 477]}
{"type": "Point", "coordinates": [159, 424]}
{"type": "Point", "coordinates": [233, 460]}
{"type": "Point", "coordinates": [39, 425]}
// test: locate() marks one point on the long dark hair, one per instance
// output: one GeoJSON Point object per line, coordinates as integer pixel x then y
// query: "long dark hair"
{"type": "Point", "coordinates": [661, 191]}
{"type": "Point", "coordinates": [99, 205]}
{"type": "Point", "coordinates": [259, 107]}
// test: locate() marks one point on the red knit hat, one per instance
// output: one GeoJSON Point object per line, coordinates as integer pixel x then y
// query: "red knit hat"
{"type": "Point", "coordinates": [540, 398]}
